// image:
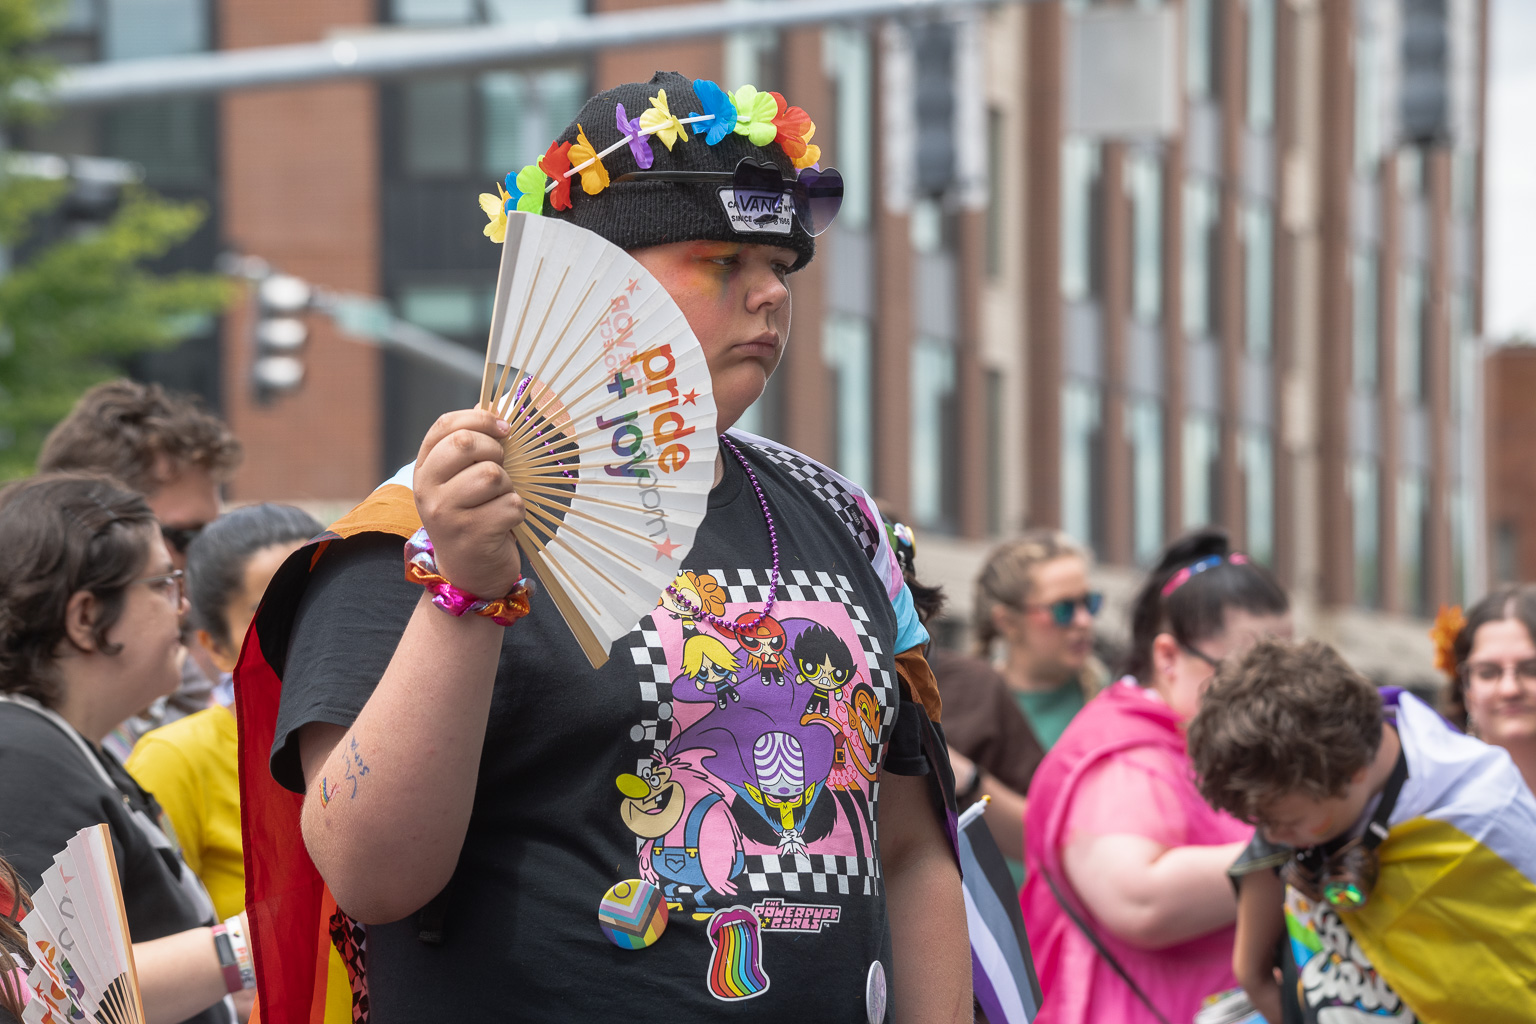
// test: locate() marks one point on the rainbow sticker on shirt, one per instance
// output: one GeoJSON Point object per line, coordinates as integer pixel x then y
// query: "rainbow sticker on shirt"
{"type": "Point", "coordinates": [736, 965]}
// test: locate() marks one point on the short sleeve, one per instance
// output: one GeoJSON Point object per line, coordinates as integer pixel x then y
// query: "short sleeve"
{"type": "Point", "coordinates": [162, 769]}
{"type": "Point", "coordinates": [345, 632]}
{"type": "Point", "coordinates": [910, 631]}
{"type": "Point", "coordinates": [904, 753]}
{"type": "Point", "coordinates": [1136, 792]}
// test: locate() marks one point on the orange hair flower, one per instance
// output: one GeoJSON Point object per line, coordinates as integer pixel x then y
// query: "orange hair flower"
{"type": "Point", "coordinates": [1448, 626]}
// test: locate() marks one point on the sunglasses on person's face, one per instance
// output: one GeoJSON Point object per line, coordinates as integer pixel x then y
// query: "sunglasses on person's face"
{"type": "Point", "coordinates": [814, 195]}
{"type": "Point", "coordinates": [1064, 611]}
{"type": "Point", "coordinates": [178, 538]}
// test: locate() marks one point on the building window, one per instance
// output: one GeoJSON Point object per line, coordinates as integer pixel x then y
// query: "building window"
{"type": "Point", "coordinates": [134, 29]}
{"type": "Point", "coordinates": [1459, 510]}
{"type": "Point", "coordinates": [1261, 64]}
{"type": "Point", "coordinates": [1259, 495]}
{"type": "Point", "coordinates": [997, 169]}
{"type": "Point", "coordinates": [847, 341]}
{"type": "Point", "coordinates": [1200, 47]}
{"type": "Point", "coordinates": [1202, 469]}
{"type": "Point", "coordinates": [1369, 134]}
{"type": "Point", "coordinates": [996, 430]}
{"type": "Point", "coordinates": [1079, 217]}
{"type": "Point", "coordinates": [460, 312]}
{"type": "Point", "coordinates": [438, 133]}
{"type": "Point", "coordinates": [1506, 551]}
{"type": "Point", "coordinates": [1365, 337]}
{"type": "Point", "coordinates": [1145, 423]}
{"type": "Point", "coordinates": [1365, 513]}
{"type": "Point", "coordinates": [1201, 212]}
{"type": "Point", "coordinates": [1258, 278]}
{"type": "Point", "coordinates": [848, 53]}
{"type": "Point", "coordinates": [460, 12]}
{"type": "Point", "coordinates": [934, 458]}
{"type": "Point", "coordinates": [522, 113]}
{"type": "Point", "coordinates": [1412, 511]}
{"type": "Point", "coordinates": [1144, 178]}
{"type": "Point", "coordinates": [1082, 461]}
{"type": "Point", "coordinates": [1410, 335]}
{"type": "Point", "coordinates": [1463, 354]}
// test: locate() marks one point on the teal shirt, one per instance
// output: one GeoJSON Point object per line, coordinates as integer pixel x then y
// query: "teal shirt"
{"type": "Point", "coordinates": [1049, 711]}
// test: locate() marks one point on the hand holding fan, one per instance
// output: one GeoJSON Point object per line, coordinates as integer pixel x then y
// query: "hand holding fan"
{"type": "Point", "coordinates": [613, 443]}
{"type": "Point", "coordinates": [77, 933]}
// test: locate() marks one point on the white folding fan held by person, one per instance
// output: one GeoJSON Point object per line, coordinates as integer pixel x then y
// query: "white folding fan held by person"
{"type": "Point", "coordinates": [613, 440]}
{"type": "Point", "coordinates": [77, 933]}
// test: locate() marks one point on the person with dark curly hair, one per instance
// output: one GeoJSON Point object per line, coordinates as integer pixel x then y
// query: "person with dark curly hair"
{"type": "Point", "coordinates": [90, 610]}
{"type": "Point", "coordinates": [1410, 888]}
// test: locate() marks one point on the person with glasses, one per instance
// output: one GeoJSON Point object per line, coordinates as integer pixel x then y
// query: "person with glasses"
{"type": "Point", "coordinates": [1493, 690]}
{"type": "Point", "coordinates": [1126, 893]}
{"type": "Point", "coordinates": [90, 611]}
{"type": "Point", "coordinates": [170, 449]}
{"type": "Point", "coordinates": [489, 805]}
{"type": "Point", "coordinates": [1410, 891]}
{"type": "Point", "coordinates": [1035, 608]}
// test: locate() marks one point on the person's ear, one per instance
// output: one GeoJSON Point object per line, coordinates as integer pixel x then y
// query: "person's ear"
{"type": "Point", "coordinates": [80, 614]}
{"type": "Point", "coordinates": [1165, 655]}
{"type": "Point", "coordinates": [218, 653]}
{"type": "Point", "coordinates": [1005, 620]}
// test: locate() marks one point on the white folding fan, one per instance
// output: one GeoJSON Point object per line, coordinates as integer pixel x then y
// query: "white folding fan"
{"type": "Point", "coordinates": [77, 933]}
{"type": "Point", "coordinates": [613, 441]}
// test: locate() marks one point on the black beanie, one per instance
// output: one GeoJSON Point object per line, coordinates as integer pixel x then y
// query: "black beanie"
{"type": "Point", "coordinates": [635, 214]}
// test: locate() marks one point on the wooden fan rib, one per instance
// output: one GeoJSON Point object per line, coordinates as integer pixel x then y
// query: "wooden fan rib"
{"type": "Point", "coordinates": [539, 373]}
{"type": "Point", "coordinates": [589, 517]}
{"type": "Point", "coordinates": [507, 265]}
{"type": "Point", "coordinates": [527, 535]}
{"type": "Point", "coordinates": [542, 491]}
{"type": "Point", "coordinates": [513, 347]}
{"type": "Point", "coordinates": [564, 528]}
{"type": "Point", "coordinates": [591, 646]}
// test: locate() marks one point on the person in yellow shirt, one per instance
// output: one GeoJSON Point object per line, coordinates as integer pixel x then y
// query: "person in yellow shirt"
{"type": "Point", "coordinates": [192, 764]}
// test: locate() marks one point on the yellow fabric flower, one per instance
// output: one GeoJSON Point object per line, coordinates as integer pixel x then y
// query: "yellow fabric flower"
{"type": "Point", "coordinates": [495, 208]}
{"type": "Point", "coordinates": [812, 154]}
{"type": "Point", "coordinates": [594, 177]}
{"type": "Point", "coordinates": [661, 122]}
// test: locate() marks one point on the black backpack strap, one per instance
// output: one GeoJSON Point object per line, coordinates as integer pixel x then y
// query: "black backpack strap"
{"type": "Point", "coordinates": [1098, 945]}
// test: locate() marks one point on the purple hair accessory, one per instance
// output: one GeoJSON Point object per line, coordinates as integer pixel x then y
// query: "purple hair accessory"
{"type": "Point", "coordinates": [639, 145]}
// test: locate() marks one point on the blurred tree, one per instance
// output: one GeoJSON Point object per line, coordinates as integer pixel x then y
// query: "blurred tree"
{"type": "Point", "coordinates": [73, 309]}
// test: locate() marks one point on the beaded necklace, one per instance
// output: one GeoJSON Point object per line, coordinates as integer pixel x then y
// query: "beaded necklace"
{"type": "Point", "coordinates": [773, 581]}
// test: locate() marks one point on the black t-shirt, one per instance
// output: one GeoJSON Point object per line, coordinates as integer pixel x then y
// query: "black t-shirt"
{"type": "Point", "coordinates": [49, 791]}
{"type": "Point", "coordinates": [748, 770]}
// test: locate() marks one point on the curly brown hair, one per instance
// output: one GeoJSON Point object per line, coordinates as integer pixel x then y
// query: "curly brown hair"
{"type": "Point", "coordinates": [63, 533]}
{"type": "Point", "coordinates": [1290, 717]}
{"type": "Point", "coordinates": [140, 434]}
{"type": "Point", "coordinates": [1516, 601]}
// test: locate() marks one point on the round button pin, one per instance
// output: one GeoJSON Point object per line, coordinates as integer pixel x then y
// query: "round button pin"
{"type": "Point", "coordinates": [874, 994]}
{"type": "Point", "coordinates": [632, 914]}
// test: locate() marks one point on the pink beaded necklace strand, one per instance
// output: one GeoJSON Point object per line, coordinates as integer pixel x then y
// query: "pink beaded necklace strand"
{"type": "Point", "coordinates": [773, 581]}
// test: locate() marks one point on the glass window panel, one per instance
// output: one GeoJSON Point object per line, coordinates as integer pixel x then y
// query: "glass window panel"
{"type": "Point", "coordinates": [440, 12]}
{"type": "Point", "coordinates": [1368, 126]}
{"type": "Point", "coordinates": [1464, 183]}
{"type": "Point", "coordinates": [1259, 496]}
{"type": "Point", "coordinates": [1079, 242]}
{"type": "Point", "coordinates": [438, 115]}
{"type": "Point", "coordinates": [1199, 26]}
{"type": "Point", "coordinates": [848, 341]}
{"type": "Point", "coordinates": [1365, 513]}
{"type": "Point", "coordinates": [996, 169]}
{"type": "Point", "coordinates": [1146, 429]}
{"type": "Point", "coordinates": [933, 385]}
{"type": "Point", "coordinates": [153, 28]}
{"type": "Point", "coordinates": [1146, 190]}
{"type": "Point", "coordinates": [1258, 278]}
{"type": "Point", "coordinates": [1081, 460]}
{"type": "Point", "coordinates": [523, 11]}
{"type": "Point", "coordinates": [1200, 214]}
{"type": "Point", "coordinates": [1459, 503]}
{"type": "Point", "coordinates": [1367, 297]}
{"type": "Point", "coordinates": [996, 426]}
{"type": "Point", "coordinates": [848, 58]}
{"type": "Point", "coordinates": [523, 113]}
{"type": "Point", "coordinates": [1202, 469]}
{"type": "Point", "coordinates": [444, 309]}
{"type": "Point", "coordinates": [1412, 507]}
{"type": "Point", "coordinates": [78, 16]}
{"type": "Point", "coordinates": [1261, 64]}
{"type": "Point", "coordinates": [1410, 335]}
{"type": "Point", "coordinates": [172, 139]}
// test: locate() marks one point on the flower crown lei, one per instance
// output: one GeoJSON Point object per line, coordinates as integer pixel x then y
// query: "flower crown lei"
{"type": "Point", "coordinates": [763, 117]}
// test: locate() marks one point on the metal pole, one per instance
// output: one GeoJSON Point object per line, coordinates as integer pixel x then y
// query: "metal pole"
{"type": "Point", "coordinates": [384, 53]}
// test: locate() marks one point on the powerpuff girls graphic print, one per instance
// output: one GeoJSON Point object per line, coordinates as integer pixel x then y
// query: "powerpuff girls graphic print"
{"type": "Point", "coordinates": [730, 760]}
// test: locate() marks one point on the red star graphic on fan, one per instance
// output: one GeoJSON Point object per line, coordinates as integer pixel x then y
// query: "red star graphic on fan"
{"type": "Point", "coordinates": [691, 397]}
{"type": "Point", "coordinates": [665, 549]}
{"type": "Point", "coordinates": [630, 288]}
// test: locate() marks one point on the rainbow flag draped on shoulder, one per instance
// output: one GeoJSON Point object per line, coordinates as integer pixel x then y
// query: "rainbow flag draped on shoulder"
{"type": "Point", "coordinates": [1449, 934]}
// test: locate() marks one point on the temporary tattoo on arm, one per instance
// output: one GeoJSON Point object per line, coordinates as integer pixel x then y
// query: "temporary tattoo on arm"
{"type": "Point", "coordinates": [326, 791]}
{"type": "Point", "coordinates": [356, 769]}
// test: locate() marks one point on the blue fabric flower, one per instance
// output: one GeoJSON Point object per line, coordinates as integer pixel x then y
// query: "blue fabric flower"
{"type": "Point", "coordinates": [716, 101]}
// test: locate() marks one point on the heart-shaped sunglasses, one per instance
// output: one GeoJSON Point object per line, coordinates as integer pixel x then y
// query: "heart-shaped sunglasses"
{"type": "Point", "coordinates": [815, 195]}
